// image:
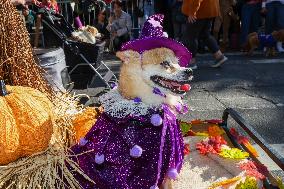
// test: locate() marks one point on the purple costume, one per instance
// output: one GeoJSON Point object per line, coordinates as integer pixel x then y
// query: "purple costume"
{"type": "Point", "coordinates": [134, 145]}
{"type": "Point", "coordinates": [115, 139]}
{"type": "Point", "coordinates": [266, 40]}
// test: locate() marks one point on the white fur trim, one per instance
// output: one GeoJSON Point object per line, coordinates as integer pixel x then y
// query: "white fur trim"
{"type": "Point", "coordinates": [117, 106]}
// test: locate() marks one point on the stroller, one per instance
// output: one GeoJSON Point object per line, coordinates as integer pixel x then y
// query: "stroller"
{"type": "Point", "coordinates": [78, 54]}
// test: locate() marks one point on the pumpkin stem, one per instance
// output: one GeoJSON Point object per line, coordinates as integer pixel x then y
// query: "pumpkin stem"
{"type": "Point", "coordinates": [3, 90]}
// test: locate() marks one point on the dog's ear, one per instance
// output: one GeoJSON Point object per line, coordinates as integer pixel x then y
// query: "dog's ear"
{"type": "Point", "coordinates": [129, 56]}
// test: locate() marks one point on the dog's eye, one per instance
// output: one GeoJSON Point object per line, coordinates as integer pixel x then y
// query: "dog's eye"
{"type": "Point", "coordinates": [166, 64]}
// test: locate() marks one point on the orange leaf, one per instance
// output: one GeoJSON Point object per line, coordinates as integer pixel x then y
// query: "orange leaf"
{"type": "Point", "coordinates": [251, 149]}
{"type": "Point", "coordinates": [225, 182]}
{"type": "Point", "coordinates": [196, 121]}
{"type": "Point", "coordinates": [215, 131]}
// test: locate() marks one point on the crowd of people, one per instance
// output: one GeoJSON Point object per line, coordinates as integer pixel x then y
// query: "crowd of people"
{"type": "Point", "coordinates": [217, 25]}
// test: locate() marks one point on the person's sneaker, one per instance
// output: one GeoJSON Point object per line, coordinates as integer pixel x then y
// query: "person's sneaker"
{"type": "Point", "coordinates": [193, 66]}
{"type": "Point", "coordinates": [280, 47]}
{"type": "Point", "coordinates": [219, 62]}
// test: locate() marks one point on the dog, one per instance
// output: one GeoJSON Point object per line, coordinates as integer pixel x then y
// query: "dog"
{"type": "Point", "coordinates": [254, 40]}
{"type": "Point", "coordinates": [87, 34]}
{"type": "Point", "coordinates": [137, 142]}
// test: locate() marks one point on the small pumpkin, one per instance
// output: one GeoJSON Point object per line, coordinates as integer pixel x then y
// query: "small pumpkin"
{"type": "Point", "coordinates": [84, 121]}
{"type": "Point", "coordinates": [25, 122]}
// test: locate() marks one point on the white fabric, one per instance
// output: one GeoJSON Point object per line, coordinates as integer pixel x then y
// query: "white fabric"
{"type": "Point", "coordinates": [117, 106]}
{"type": "Point", "coordinates": [280, 47]}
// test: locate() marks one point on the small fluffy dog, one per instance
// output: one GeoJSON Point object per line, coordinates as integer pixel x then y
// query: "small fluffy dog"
{"type": "Point", "coordinates": [86, 34]}
{"type": "Point", "coordinates": [269, 41]}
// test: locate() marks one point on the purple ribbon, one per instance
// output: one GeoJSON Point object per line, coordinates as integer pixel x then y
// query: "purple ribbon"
{"type": "Point", "coordinates": [176, 139]}
{"type": "Point", "coordinates": [158, 92]}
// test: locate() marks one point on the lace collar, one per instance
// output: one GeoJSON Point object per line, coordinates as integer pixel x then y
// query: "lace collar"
{"type": "Point", "coordinates": [118, 107]}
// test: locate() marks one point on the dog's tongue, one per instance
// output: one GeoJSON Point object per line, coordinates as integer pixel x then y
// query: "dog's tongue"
{"type": "Point", "coordinates": [185, 87]}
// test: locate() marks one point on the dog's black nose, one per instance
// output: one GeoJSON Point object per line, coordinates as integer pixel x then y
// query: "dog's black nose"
{"type": "Point", "coordinates": [189, 71]}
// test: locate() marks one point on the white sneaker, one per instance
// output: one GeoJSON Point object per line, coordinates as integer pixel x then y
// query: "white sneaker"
{"type": "Point", "coordinates": [219, 62]}
{"type": "Point", "coordinates": [193, 66]}
{"type": "Point", "coordinates": [280, 47]}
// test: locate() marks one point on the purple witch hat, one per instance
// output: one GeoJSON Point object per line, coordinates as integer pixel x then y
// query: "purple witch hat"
{"type": "Point", "coordinates": [152, 37]}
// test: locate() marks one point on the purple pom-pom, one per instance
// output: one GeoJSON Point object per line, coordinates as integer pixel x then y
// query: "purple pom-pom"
{"type": "Point", "coordinates": [137, 100]}
{"type": "Point", "coordinates": [172, 173]}
{"type": "Point", "coordinates": [156, 120]}
{"type": "Point", "coordinates": [83, 141]}
{"type": "Point", "coordinates": [99, 159]}
{"type": "Point", "coordinates": [154, 187]}
{"type": "Point", "coordinates": [136, 151]}
{"type": "Point", "coordinates": [113, 86]}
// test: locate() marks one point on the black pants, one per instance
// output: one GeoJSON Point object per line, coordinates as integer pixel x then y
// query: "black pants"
{"type": "Point", "coordinates": [118, 41]}
{"type": "Point", "coordinates": [199, 29]}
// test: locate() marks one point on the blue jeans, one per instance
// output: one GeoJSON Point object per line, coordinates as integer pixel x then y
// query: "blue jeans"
{"type": "Point", "coordinates": [275, 17]}
{"type": "Point", "coordinates": [250, 20]}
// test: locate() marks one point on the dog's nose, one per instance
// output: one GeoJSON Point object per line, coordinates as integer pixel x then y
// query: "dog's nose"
{"type": "Point", "coordinates": [189, 71]}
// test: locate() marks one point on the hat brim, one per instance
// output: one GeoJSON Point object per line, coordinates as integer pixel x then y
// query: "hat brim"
{"type": "Point", "coordinates": [141, 45]}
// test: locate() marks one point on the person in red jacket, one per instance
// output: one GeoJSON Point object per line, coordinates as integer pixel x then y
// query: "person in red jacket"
{"type": "Point", "coordinates": [200, 15]}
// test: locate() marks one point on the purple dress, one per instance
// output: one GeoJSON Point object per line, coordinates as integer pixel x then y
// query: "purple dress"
{"type": "Point", "coordinates": [130, 152]}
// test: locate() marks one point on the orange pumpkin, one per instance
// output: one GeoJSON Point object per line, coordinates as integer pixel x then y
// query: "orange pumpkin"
{"type": "Point", "coordinates": [84, 121]}
{"type": "Point", "coordinates": [25, 122]}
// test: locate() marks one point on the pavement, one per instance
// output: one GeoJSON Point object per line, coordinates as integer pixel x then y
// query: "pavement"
{"type": "Point", "coordinates": [253, 86]}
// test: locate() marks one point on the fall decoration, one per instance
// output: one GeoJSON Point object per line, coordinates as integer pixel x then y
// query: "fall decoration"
{"type": "Point", "coordinates": [211, 145]}
{"type": "Point", "coordinates": [197, 121]}
{"type": "Point", "coordinates": [249, 183]}
{"type": "Point", "coordinates": [25, 122]}
{"type": "Point", "coordinates": [185, 127]}
{"type": "Point", "coordinates": [44, 169]}
{"type": "Point", "coordinates": [233, 153]}
{"type": "Point", "coordinates": [280, 183]}
{"type": "Point", "coordinates": [215, 130]}
{"type": "Point", "coordinates": [225, 182]}
{"type": "Point", "coordinates": [84, 121]}
{"type": "Point", "coordinates": [243, 140]}
{"type": "Point", "coordinates": [186, 150]}
{"type": "Point", "coordinates": [17, 65]}
{"type": "Point", "coordinates": [254, 169]}
{"type": "Point", "coordinates": [214, 121]}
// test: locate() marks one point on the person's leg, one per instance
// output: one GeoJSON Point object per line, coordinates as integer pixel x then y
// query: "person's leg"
{"type": "Point", "coordinates": [245, 21]}
{"type": "Point", "coordinates": [212, 43]}
{"type": "Point", "coordinates": [37, 30]}
{"type": "Point", "coordinates": [226, 26]}
{"type": "Point", "coordinates": [256, 18]}
{"type": "Point", "coordinates": [280, 23]}
{"type": "Point", "coordinates": [116, 43]}
{"type": "Point", "coordinates": [206, 36]}
{"type": "Point", "coordinates": [176, 27]}
{"type": "Point", "coordinates": [217, 27]}
{"type": "Point", "coordinates": [270, 18]}
{"type": "Point", "coordinates": [190, 39]}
